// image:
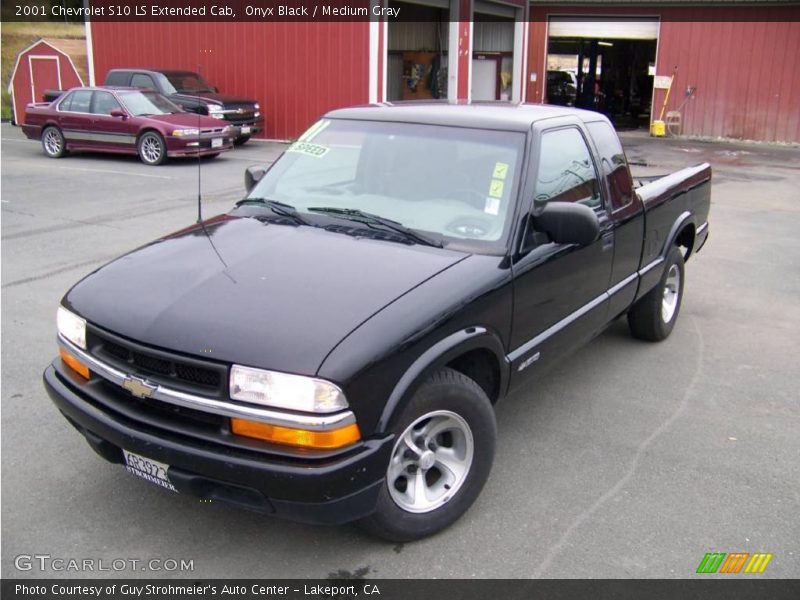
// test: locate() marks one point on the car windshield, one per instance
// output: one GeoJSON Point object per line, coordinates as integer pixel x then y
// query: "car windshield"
{"type": "Point", "coordinates": [141, 104]}
{"type": "Point", "coordinates": [188, 82]}
{"type": "Point", "coordinates": [456, 183]}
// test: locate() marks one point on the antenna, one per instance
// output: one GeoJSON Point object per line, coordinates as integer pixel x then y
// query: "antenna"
{"type": "Point", "coordinates": [199, 137]}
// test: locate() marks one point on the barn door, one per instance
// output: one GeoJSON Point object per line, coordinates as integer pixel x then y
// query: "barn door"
{"type": "Point", "coordinates": [45, 75]}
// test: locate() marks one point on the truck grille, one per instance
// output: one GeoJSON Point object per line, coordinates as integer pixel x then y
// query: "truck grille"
{"type": "Point", "coordinates": [178, 372]}
{"type": "Point", "coordinates": [245, 113]}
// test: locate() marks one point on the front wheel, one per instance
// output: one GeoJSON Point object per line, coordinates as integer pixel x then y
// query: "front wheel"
{"type": "Point", "coordinates": [441, 459]}
{"type": "Point", "coordinates": [53, 142]}
{"type": "Point", "coordinates": [241, 140]}
{"type": "Point", "coordinates": [653, 317]}
{"type": "Point", "coordinates": [152, 148]}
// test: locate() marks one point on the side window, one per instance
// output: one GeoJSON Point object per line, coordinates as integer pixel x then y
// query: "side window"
{"type": "Point", "coordinates": [80, 101]}
{"type": "Point", "coordinates": [566, 172]}
{"type": "Point", "coordinates": [117, 78]}
{"type": "Point", "coordinates": [142, 81]}
{"type": "Point", "coordinates": [104, 103]}
{"type": "Point", "coordinates": [614, 166]}
{"type": "Point", "coordinates": [64, 105]}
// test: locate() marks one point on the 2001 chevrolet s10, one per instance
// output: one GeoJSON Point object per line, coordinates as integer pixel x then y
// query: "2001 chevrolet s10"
{"type": "Point", "coordinates": [331, 349]}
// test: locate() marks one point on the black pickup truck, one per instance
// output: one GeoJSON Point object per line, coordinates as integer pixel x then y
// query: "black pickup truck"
{"type": "Point", "coordinates": [332, 349]}
{"type": "Point", "coordinates": [192, 93]}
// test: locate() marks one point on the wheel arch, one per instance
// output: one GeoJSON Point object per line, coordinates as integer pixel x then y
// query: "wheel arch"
{"type": "Point", "coordinates": [474, 351]}
{"type": "Point", "coordinates": [682, 233]}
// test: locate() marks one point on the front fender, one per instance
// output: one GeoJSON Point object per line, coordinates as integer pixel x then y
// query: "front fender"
{"type": "Point", "coordinates": [436, 357]}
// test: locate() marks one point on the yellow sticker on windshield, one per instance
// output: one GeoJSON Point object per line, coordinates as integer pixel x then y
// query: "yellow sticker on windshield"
{"type": "Point", "coordinates": [496, 188]}
{"type": "Point", "coordinates": [315, 150]}
{"type": "Point", "coordinates": [500, 170]}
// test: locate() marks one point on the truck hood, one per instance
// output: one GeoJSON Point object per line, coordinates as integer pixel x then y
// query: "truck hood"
{"type": "Point", "coordinates": [252, 292]}
{"type": "Point", "coordinates": [216, 98]}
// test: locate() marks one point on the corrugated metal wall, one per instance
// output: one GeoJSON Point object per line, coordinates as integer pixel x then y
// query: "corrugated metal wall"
{"type": "Point", "coordinates": [743, 61]}
{"type": "Point", "coordinates": [297, 71]}
{"type": "Point", "coordinates": [493, 36]}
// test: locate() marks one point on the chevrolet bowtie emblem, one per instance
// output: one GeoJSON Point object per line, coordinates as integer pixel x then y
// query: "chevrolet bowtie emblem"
{"type": "Point", "coordinates": [138, 387]}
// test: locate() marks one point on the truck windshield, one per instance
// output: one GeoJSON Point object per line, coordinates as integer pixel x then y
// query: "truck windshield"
{"type": "Point", "coordinates": [456, 183]}
{"type": "Point", "coordinates": [141, 104]}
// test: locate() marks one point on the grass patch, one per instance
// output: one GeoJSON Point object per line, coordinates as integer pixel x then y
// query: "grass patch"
{"type": "Point", "coordinates": [17, 36]}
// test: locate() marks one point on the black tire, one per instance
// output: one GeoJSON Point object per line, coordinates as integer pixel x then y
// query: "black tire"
{"type": "Point", "coordinates": [648, 319]}
{"type": "Point", "coordinates": [241, 140]}
{"type": "Point", "coordinates": [53, 142]}
{"type": "Point", "coordinates": [446, 393]}
{"type": "Point", "coordinates": [212, 156]}
{"type": "Point", "coordinates": [151, 148]}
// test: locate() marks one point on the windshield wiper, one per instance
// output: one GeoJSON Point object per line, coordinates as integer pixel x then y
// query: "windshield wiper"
{"type": "Point", "coordinates": [353, 214]}
{"type": "Point", "coordinates": [278, 207]}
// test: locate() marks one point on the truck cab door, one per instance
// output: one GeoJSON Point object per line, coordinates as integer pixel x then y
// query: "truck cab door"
{"type": "Point", "coordinates": [560, 290]}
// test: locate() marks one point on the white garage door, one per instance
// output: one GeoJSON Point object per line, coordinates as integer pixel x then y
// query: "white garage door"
{"type": "Point", "coordinates": [604, 28]}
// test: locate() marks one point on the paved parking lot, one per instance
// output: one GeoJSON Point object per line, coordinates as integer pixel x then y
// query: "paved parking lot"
{"type": "Point", "coordinates": [629, 460]}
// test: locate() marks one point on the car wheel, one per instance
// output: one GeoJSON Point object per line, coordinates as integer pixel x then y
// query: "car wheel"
{"type": "Point", "coordinates": [241, 140]}
{"type": "Point", "coordinates": [152, 149]}
{"type": "Point", "coordinates": [53, 142]}
{"type": "Point", "coordinates": [653, 316]}
{"type": "Point", "coordinates": [210, 156]}
{"type": "Point", "coordinates": [444, 448]}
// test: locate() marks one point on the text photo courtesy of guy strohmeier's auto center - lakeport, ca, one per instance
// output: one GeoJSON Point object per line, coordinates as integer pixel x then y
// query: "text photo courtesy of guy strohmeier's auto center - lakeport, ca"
{"type": "Point", "coordinates": [485, 298]}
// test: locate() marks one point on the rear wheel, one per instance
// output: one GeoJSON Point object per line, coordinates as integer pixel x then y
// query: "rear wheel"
{"type": "Point", "coordinates": [152, 149]}
{"type": "Point", "coordinates": [441, 459]}
{"type": "Point", "coordinates": [53, 142]}
{"type": "Point", "coordinates": [653, 317]}
{"type": "Point", "coordinates": [241, 140]}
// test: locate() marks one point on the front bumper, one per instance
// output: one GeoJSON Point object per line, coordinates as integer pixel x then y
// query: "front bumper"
{"type": "Point", "coordinates": [327, 489]}
{"type": "Point", "coordinates": [193, 146]}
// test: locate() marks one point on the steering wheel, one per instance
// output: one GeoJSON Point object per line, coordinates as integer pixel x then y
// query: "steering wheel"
{"type": "Point", "coordinates": [470, 227]}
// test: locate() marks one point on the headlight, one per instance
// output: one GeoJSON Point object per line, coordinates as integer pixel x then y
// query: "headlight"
{"type": "Point", "coordinates": [282, 390]}
{"type": "Point", "coordinates": [72, 327]}
{"type": "Point", "coordinates": [256, 106]}
{"type": "Point", "coordinates": [215, 111]}
{"type": "Point", "coordinates": [186, 132]}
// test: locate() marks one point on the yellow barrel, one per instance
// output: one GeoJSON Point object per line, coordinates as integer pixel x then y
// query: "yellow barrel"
{"type": "Point", "coordinates": [658, 129]}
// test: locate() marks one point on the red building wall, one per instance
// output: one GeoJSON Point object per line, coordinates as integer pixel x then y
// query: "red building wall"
{"type": "Point", "coordinates": [296, 71]}
{"type": "Point", "coordinates": [747, 73]}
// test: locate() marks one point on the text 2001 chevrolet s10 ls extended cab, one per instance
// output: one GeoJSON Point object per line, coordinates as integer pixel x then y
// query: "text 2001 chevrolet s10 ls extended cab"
{"type": "Point", "coordinates": [331, 350]}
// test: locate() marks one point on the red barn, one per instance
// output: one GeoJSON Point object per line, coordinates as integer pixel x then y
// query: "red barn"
{"type": "Point", "coordinates": [39, 67]}
{"type": "Point", "coordinates": [735, 62]}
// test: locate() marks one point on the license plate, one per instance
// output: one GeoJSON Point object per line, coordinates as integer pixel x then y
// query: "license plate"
{"type": "Point", "coordinates": [216, 142]}
{"type": "Point", "coordinates": [245, 129]}
{"type": "Point", "coordinates": [149, 469]}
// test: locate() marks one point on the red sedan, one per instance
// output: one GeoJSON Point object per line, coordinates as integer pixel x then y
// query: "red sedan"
{"type": "Point", "coordinates": [124, 121]}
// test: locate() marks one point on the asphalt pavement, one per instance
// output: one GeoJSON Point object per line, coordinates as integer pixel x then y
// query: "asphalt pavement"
{"type": "Point", "coordinates": [628, 460]}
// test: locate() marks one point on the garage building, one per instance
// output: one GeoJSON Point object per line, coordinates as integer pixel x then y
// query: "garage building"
{"type": "Point", "coordinates": [735, 63]}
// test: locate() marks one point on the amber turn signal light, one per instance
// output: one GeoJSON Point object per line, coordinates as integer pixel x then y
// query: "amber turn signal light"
{"type": "Point", "coordinates": [301, 438]}
{"type": "Point", "coordinates": [73, 363]}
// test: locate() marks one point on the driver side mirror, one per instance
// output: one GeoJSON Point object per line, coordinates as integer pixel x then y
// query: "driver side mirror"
{"type": "Point", "coordinates": [119, 113]}
{"type": "Point", "coordinates": [252, 176]}
{"type": "Point", "coordinates": [568, 223]}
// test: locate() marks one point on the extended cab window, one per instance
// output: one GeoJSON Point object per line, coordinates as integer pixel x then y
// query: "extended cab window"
{"type": "Point", "coordinates": [104, 103]}
{"type": "Point", "coordinates": [78, 101]}
{"type": "Point", "coordinates": [117, 78]}
{"type": "Point", "coordinates": [613, 164]}
{"type": "Point", "coordinates": [566, 172]}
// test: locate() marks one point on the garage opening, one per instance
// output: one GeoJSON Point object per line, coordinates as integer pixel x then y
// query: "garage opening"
{"type": "Point", "coordinates": [416, 66]}
{"type": "Point", "coordinates": [603, 65]}
{"type": "Point", "coordinates": [492, 51]}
